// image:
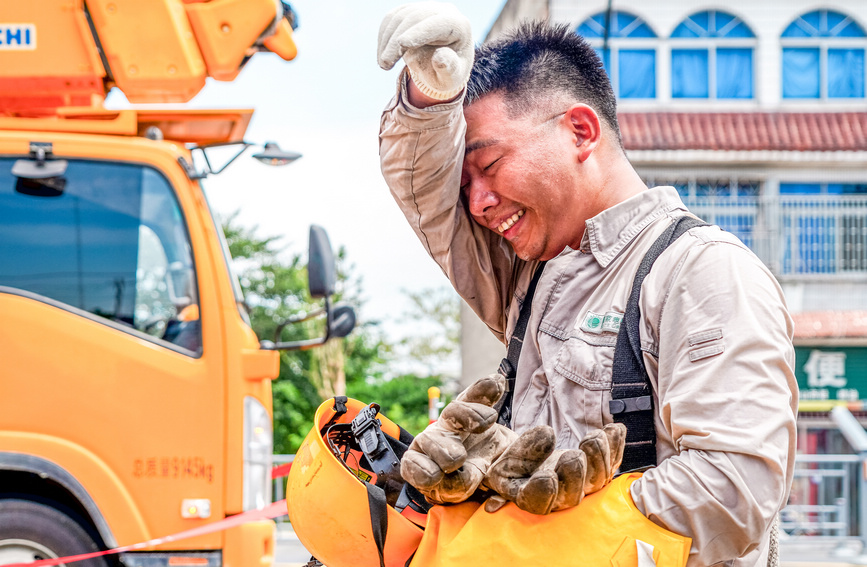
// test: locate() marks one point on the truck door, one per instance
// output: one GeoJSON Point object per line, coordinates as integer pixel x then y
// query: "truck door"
{"type": "Point", "coordinates": [111, 345]}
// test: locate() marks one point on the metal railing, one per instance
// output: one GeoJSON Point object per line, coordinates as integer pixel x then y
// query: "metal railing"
{"type": "Point", "coordinates": [738, 215]}
{"type": "Point", "coordinates": [278, 483]}
{"type": "Point", "coordinates": [823, 234]}
{"type": "Point", "coordinates": [824, 499]}
{"type": "Point", "coordinates": [794, 234]}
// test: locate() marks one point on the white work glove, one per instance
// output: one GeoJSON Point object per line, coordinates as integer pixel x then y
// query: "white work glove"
{"type": "Point", "coordinates": [436, 43]}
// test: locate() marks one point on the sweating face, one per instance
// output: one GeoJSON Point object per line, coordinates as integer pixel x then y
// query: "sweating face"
{"type": "Point", "coordinates": [521, 178]}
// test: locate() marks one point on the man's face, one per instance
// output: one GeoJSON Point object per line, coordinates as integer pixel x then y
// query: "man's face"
{"type": "Point", "coordinates": [521, 178]}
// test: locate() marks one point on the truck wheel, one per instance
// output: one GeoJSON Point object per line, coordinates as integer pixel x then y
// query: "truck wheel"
{"type": "Point", "coordinates": [31, 531]}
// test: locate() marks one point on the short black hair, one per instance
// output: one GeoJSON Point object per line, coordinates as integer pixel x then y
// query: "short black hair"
{"type": "Point", "coordinates": [536, 61]}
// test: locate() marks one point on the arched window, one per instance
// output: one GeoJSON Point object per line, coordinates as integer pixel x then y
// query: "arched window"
{"type": "Point", "coordinates": [712, 57]}
{"type": "Point", "coordinates": [630, 58]}
{"type": "Point", "coordinates": [823, 56]}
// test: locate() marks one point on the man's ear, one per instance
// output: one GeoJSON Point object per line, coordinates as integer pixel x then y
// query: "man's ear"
{"type": "Point", "coordinates": [586, 129]}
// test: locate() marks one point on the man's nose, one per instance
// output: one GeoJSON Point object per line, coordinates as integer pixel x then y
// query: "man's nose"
{"type": "Point", "coordinates": [481, 198]}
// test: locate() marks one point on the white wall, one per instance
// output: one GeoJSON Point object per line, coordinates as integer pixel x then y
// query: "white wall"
{"type": "Point", "coordinates": [481, 351]}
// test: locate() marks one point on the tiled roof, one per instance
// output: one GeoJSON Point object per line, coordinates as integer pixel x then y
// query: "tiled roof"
{"type": "Point", "coordinates": [830, 324]}
{"type": "Point", "coordinates": [786, 131]}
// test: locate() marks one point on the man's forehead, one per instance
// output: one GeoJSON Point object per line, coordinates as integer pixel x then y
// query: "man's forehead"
{"type": "Point", "coordinates": [488, 120]}
{"type": "Point", "coordinates": [487, 105]}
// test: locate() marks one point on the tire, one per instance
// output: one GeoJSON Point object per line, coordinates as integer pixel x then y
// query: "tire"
{"type": "Point", "coordinates": [30, 531]}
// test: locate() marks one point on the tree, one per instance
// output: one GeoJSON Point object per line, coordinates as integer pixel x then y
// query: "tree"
{"type": "Point", "coordinates": [434, 344]}
{"type": "Point", "coordinates": [275, 288]}
{"type": "Point", "coordinates": [403, 398]}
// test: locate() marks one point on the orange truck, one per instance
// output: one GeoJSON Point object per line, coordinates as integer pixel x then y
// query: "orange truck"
{"type": "Point", "coordinates": [135, 399]}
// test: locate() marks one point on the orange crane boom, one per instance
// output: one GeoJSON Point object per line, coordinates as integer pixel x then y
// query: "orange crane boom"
{"type": "Point", "coordinates": [70, 53]}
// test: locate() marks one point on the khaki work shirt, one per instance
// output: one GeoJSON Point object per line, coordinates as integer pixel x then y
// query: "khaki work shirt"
{"type": "Point", "coordinates": [715, 333]}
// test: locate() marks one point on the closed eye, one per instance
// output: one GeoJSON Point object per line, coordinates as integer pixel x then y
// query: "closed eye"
{"type": "Point", "coordinates": [491, 164]}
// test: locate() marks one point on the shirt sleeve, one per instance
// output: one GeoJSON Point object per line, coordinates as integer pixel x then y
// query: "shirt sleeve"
{"type": "Point", "coordinates": [421, 155]}
{"type": "Point", "coordinates": [727, 397]}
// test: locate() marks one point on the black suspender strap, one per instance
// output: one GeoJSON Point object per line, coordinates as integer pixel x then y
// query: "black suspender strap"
{"type": "Point", "coordinates": [631, 395]}
{"type": "Point", "coordinates": [509, 365]}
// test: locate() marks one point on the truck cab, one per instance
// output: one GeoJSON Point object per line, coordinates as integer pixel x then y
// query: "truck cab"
{"type": "Point", "coordinates": [136, 399]}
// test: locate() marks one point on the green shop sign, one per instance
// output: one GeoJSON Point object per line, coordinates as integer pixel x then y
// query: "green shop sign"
{"type": "Point", "coordinates": [830, 376]}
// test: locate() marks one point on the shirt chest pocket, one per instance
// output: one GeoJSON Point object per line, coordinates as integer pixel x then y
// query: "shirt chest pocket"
{"type": "Point", "coordinates": [587, 360]}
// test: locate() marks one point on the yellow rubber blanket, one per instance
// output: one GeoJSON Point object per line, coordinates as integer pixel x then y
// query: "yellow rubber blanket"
{"type": "Point", "coordinates": [605, 529]}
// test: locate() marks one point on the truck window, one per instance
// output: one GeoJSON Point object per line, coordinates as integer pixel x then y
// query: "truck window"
{"type": "Point", "coordinates": [238, 292]}
{"type": "Point", "coordinates": [113, 243]}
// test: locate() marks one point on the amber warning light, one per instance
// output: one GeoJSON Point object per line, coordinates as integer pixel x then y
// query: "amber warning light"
{"type": "Point", "coordinates": [183, 561]}
{"type": "Point", "coordinates": [196, 508]}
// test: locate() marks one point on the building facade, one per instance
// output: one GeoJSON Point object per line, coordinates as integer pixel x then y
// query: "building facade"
{"type": "Point", "coordinates": [756, 112]}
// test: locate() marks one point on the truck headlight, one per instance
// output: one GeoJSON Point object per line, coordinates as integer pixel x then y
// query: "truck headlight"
{"type": "Point", "coordinates": [258, 455]}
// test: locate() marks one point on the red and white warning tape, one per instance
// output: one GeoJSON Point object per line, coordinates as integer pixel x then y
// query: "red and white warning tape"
{"type": "Point", "coordinates": [281, 470]}
{"type": "Point", "coordinates": [268, 513]}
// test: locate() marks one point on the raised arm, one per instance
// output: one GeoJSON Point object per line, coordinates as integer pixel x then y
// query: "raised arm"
{"type": "Point", "coordinates": [422, 150]}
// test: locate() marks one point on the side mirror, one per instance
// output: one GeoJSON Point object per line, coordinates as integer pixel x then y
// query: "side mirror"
{"type": "Point", "coordinates": [40, 175]}
{"type": "Point", "coordinates": [321, 268]}
{"type": "Point", "coordinates": [342, 321]}
{"type": "Point", "coordinates": [322, 280]}
{"type": "Point", "coordinates": [45, 169]}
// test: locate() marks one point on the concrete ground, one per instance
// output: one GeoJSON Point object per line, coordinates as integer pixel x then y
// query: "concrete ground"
{"type": "Point", "coordinates": [794, 553]}
{"type": "Point", "coordinates": [289, 552]}
{"type": "Point", "coordinates": [807, 553]}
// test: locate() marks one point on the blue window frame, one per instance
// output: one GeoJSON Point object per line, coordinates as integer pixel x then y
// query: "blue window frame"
{"type": "Point", "coordinates": [823, 56]}
{"type": "Point", "coordinates": [712, 57]}
{"type": "Point", "coordinates": [630, 59]}
{"type": "Point", "coordinates": [823, 188]}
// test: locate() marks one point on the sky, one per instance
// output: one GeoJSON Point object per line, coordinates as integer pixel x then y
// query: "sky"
{"type": "Point", "coordinates": [326, 104]}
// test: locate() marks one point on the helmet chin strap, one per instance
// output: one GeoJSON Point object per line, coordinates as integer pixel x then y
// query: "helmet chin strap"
{"type": "Point", "coordinates": [385, 462]}
{"type": "Point", "coordinates": [378, 518]}
{"type": "Point", "coordinates": [379, 449]}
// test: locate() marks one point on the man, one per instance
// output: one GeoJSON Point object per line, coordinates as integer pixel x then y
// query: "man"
{"type": "Point", "coordinates": [521, 163]}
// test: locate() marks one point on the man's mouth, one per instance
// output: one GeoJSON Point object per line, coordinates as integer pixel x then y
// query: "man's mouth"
{"type": "Point", "coordinates": [507, 224]}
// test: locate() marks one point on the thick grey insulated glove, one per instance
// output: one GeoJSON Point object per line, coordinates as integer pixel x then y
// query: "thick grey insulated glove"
{"type": "Point", "coordinates": [448, 460]}
{"type": "Point", "coordinates": [540, 480]}
{"type": "Point", "coordinates": [436, 43]}
{"type": "Point", "coordinates": [466, 450]}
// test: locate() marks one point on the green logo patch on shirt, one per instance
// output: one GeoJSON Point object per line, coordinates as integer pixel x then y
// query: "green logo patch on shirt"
{"type": "Point", "coordinates": [611, 322]}
{"type": "Point", "coordinates": [598, 323]}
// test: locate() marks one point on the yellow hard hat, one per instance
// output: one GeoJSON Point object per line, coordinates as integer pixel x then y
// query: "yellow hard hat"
{"type": "Point", "coordinates": [345, 507]}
